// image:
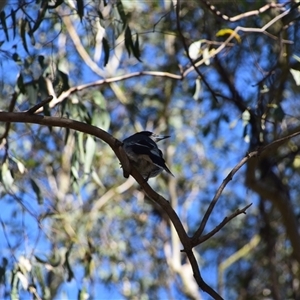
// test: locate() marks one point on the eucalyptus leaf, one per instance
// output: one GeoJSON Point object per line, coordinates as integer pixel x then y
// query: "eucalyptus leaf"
{"type": "Point", "coordinates": [3, 23]}
{"type": "Point", "coordinates": [296, 76]}
{"type": "Point", "coordinates": [90, 149]}
{"type": "Point", "coordinates": [37, 191]}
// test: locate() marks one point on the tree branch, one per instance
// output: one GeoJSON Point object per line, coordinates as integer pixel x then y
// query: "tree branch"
{"type": "Point", "coordinates": [220, 226]}
{"type": "Point", "coordinates": [78, 88]}
{"type": "Point", "coordinates": [274, 144]}
{"type": "Point", "coordinates": [247, 14]}
{"type": "Point", "coordinates": [233, 34]}
{"type": "Point", "coordinates": [116, 146]}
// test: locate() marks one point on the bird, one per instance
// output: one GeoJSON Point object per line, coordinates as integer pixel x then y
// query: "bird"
{"type": "Point", "coordinates": [143, 152]}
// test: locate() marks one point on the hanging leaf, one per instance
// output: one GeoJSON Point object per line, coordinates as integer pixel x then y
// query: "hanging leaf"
{"type": "Point", "coordinates": [296, 162]}
{"type": "Point", "coordinates": [296, 76]}
{"type": "Point", "coordinates": [195, 49]}
{"type": "Point", "coordinates": [97, 179]}
{"type": "Point", "coordinates": [20, 165]}
{"type": "Point", "coordinates": [6, 176]}
{"type": "Point", "coordinates": [128, 40]}
{"type": "Point", "coordinates": [23, 24]}
{"type": "Point", "coordinates": [90, 149]}
{"type": "Point", "coordinates": [276, 111]}
{"type": "Point", "coordinates": [3, 23]}
{"type": "Point", "coordinates": [83, 113]}
{"type": "Point", "coordinates": [228, 31]}
{"type": "Point", "coordinates": [136, 48]}
{"type": "Point", "coordinates": [74, 173]}
{"type": "Point", "coordinates": [118, 25]}
{"type": "Point", "coordinates": [279, 113]}
{"type": "Point", "coordinates": [3, 268]}
{"type": "Point", "coordinates": [106, 49]}
{"type": "Point", "coordinates": [80, 147]}
{"type": "Point", "coordinates": [23, 279]}
{"type": "Point", "coordinates": [80, 8]}
{"type": "Point", "coordinates": [246, 117]}
{"type": "Point", "coordinates": [206, 54]}
{"type": "Point", "coordinates": [99, 100]}
{"type": "Point", "coordinates": [83, 294]}
{"type": "Point", "coordinates": [30, 33]}
{"type": "Point", "coordinates": [102, 120]}
{"type": "Point", "coordinates": [61, 82]}
{"type": "Point", "coordinates": [121, 12]}
{"type": "Point", "coordinates": [20, 84]}
{"type": "Point", "coordinates": [198, 89]}
{"type": "Point", "coordinates": [13, 16]}
{"type": "Point", "coordinates": [130, 46]}
{"type": "Point", "coordinates": [37, 191]}
{"type": "Point", "coordinates": [32, 93]}
{"type": "Point", "coordinates": [66, 136]}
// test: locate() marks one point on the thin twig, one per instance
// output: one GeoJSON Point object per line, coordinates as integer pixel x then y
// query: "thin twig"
{"type": "Point", "coordinates": [247, 14]}
{"type": "Point", "coordinates": [229, 177]}
{"type": "Point", "coordinates": [81, 87]}
{"type": "Point", "coordinates": [220, 226]}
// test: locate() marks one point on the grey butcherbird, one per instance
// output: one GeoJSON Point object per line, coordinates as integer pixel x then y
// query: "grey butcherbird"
{"type": "Point", "coordinates": [144, 154]}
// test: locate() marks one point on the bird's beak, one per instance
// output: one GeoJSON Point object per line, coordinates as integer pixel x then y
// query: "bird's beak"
{"type": "Point", "coordinates": [158, 138]}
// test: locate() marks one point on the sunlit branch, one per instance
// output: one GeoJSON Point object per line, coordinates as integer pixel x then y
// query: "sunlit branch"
{"type": "Point", "coordinates": [95, 68]}
{"type": "Point", "coordinates": [233, 34]}
{"type": "Point", "coordinates": [79, 47]}
{"type": "Point", "coordinates": [247, 14]}
{"type": "Point", "coordinates": [78, 88]}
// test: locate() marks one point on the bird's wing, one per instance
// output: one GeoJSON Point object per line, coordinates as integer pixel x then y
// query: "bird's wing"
{"type": "Point", "coordinates": [149, 149]}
